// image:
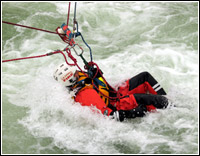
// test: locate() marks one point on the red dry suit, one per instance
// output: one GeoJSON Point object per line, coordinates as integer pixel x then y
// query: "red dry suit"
{"type": "Point", "coordinates": [144, 88]}
{"type": "Point", "coordinates": [137, 91]}
{"type": "Point", "coordinates": [87, 95]}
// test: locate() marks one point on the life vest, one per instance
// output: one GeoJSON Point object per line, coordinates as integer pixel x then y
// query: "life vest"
{"type": "Point", "coordinates": [102, 90]}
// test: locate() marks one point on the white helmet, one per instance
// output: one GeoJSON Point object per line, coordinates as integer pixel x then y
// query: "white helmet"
{"type": "Point", "coordinates": [64, 73]}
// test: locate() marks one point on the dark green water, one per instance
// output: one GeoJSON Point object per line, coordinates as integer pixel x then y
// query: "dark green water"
{"type": "Point", "coordinates": [39, 117]}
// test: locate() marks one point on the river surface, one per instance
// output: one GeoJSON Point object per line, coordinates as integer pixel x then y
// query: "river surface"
{"type": "Point", "coordinates": [126, 38]}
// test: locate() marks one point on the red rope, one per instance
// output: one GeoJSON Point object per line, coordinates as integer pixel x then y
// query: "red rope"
{"type": "Point", "coordinates": [24, 58]}
{"type": "Point", "coordinates": [29, 27]}
{"type": "Point", "coordinates": [48, 54]}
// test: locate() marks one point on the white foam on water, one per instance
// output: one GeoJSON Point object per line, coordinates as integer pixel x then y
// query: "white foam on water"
{"type": "Point", "coordinates": [53, 114]}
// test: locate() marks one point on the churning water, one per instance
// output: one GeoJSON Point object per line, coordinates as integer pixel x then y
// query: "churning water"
{"type": "Point", "coordinates": [38, 115]}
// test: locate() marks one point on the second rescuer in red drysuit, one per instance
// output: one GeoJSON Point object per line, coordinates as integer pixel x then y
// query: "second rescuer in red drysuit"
{"type": "Point", "coordinates": [138, 95]}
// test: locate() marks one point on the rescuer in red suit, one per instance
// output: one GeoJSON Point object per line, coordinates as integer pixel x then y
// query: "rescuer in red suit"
{"type": "Point", "coordinates": [134, 98]}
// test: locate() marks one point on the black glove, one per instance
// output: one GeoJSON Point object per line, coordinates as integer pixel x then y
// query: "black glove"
{"type": "Point", "coordinates": [127, 114]}
{"type": "Point", "coordinates": [121, 115]}
{"type": "Point", "coordinates": [139, 111]}
{"type": "Point", "coordinates": [93, 71]}
{"type": "Point", "coordinates": [88, 81]}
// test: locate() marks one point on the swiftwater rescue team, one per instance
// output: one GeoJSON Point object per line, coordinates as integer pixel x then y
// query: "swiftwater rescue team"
{"type": "Point", "coordinates": [138, 95]}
